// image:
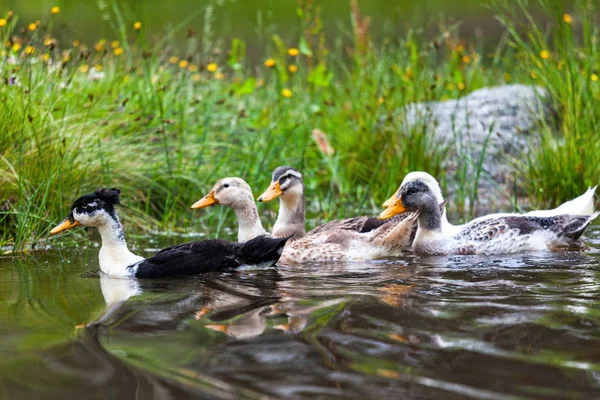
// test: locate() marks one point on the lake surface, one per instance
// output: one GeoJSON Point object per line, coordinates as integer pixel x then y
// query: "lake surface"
{"type": "Point", "coordinates": [521, 326]}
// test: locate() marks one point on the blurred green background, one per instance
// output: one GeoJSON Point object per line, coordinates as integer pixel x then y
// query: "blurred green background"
{"type": "Point", "coordinates": [244, 18]}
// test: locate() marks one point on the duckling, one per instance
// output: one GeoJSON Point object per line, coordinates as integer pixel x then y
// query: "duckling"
{"type": "Point", "coordinates": [582, 205]}
{"type": "Point", "coordinates": [288, 184]}
{"type": "Point", "coordinates": [236, 193]}
{"type": "Point", "coordinates": [493, 234]}
{"type": "Point", "coordinates": [98, 210]}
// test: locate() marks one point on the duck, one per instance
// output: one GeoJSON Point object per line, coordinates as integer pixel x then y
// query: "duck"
{"type": "Point", "coordinates": [235, 193]}
{"type": "Point", "coordinates": [287, 184]}
{"type": "Point", "coordinates": [581, 205]}
{"type": "Point", "coordinates": [489, 235]}
{"type": "Point", "coordinates": [98, 210]}
{"type": "Point", "coordinates": [341, 245]}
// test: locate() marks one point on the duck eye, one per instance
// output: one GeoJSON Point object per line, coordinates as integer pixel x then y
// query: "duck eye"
{"type": "Point", "coordinates": [412, 191]}
{"type": "Point", "coordinates": [226, 185]}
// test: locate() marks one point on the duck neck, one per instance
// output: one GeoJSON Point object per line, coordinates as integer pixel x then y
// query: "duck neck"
{"type": "Point", "coordinates": [291, 215]}
{"type": "Point", "coordinates": [249, 225]}
{"type": "Point", "coordinates": [430, 217]}
{"type": "Point", "coordinates": [114, 255]}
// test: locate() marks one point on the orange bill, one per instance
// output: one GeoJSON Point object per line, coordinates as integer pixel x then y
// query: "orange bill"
{"type": "Point", "coordinates": [272, 192]}
{"type": "Point", "coordinates": [389, 201]}
{"type": "Point", "coordinates": [393, 209]}
{"type": "Point", "coordinates": [217, 327]}
{"type": "Point", "coordinates": [206, 201]}
{"type": "Point", "coordinates": [63, 226]}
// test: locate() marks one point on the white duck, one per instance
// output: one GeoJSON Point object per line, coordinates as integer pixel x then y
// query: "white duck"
{"type": "Point", "coordinates": [493, 234]}
{"type": "Point", "coordinates": [582, 205]}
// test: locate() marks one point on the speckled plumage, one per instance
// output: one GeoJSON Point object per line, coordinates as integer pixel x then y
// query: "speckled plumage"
{"type": "Point", "coordinates": [390, 239]}
{"type": "Point", "coordinates": [501, 234]}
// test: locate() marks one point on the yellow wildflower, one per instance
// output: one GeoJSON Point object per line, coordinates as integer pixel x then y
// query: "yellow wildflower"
{"type": "Point", "coordinates": [545, 54]}
{"type": "Point", "coordinates": [212, 67]}
{"type": "Point", "coordinates": [114, 44]}
{"type": "Point", "coordinates": [32, 26]}
{"type": "Point", "coordinates": [196, 77]}
{"type": "Point", "coordinates": [293, 68]}
{"type": "Point", "coordinates": [220, 76]}
{"type": "Point", "coordinates": [98, 67]}
{"type": "Point", "coordinates": [270, 63]}
{"type": "Point", "coordinates": [3, 22]}
{"type": "Point", "coordinates": [567, 18]}
{"type": "Point", "coordinates": [293, 52]}
{"type": "Point", "coordinates": [83, 68]}
{"type": "Point", "coordinates": [76, 43]}
{"type": "Point", "coordinates": [16, 47]}
{"type": "Point", "coordinates": [46, 57]}
{"type": "Point", "coordinates": [137, 26]}
{"type": "Point", "coordinates": [173, 60]}
{"type": "Point", "coordinates": [66, 56]}
{"type": "Point", "coordinates": [461, 86]}
{"type": "Point", "coordinates": [183, 64]}
{"type": "Point", "coordinates": [533, 75]}
{"type": "Point", "coordinates": [286, 93]}
{"type": "Point", "coordinates": [47, 42]}
{"type": "Point", "coordinates": [193, 68]}
{"type": "Point", "coordinates": [594, 77]}
{"type": "Point", "coordinates": [466, 59]}
{"type": "Point", "coordinates": [100, 45]}
{"type": "Point", "coordinates": [55, 10]}
{"type": "Point", "coordinates": [118, 51]}
{"type": "Point", "coordinates": [29, 50]}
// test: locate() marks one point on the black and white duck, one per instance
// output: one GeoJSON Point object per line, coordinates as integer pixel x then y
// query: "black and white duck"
{"type": "Point", "coordinates": [98, 210]}
{"type": "Point", "coordinates": [492, 234]}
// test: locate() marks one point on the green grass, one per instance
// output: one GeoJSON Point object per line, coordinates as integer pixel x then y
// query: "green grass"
{"type": "Point", "coordinates": [165, 132]}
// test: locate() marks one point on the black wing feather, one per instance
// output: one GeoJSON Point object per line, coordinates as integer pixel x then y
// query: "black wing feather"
{"type": "Point", "coordinates": [202, 256]}
{"type": "Point", "coordinates": [190, 259]}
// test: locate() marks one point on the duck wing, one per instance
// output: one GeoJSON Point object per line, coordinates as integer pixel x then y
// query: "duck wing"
{"type": "Point", "coordinates": [566, 226]}
{"type": "Point", "coordinates": [190, 259]}
{"type": "Point", "coordinates": [357, 224]}
{"type": "Point", "coordinates": [262, 251]}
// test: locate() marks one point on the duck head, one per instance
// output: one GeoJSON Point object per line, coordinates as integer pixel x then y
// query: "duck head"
{"type": "Point", "coordinates": [94, 209]}
{"type": "Point", "coordinates": [231, 192]}
{"type": "Point", "coordinates": [412, 196]}
{"type": "Point", "coordinates": [424, 177]}
{"type": "Point", "coordinates": [287, 182]}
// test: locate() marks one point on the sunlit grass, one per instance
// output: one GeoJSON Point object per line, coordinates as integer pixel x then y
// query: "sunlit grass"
{"type": "Point", "coordinates": [164, 124]}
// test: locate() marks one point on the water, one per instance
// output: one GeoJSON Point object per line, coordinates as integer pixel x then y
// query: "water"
{"type": "Point", "coordinates": [524, 326]}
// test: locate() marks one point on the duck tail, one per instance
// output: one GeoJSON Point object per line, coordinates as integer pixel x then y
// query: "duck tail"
{"type": "Point", "coordinates": [582, 205]}
{"type": "Point", "coordinates": [263, 250]}
{"type": "Point", "coordinates": [579, 228]}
